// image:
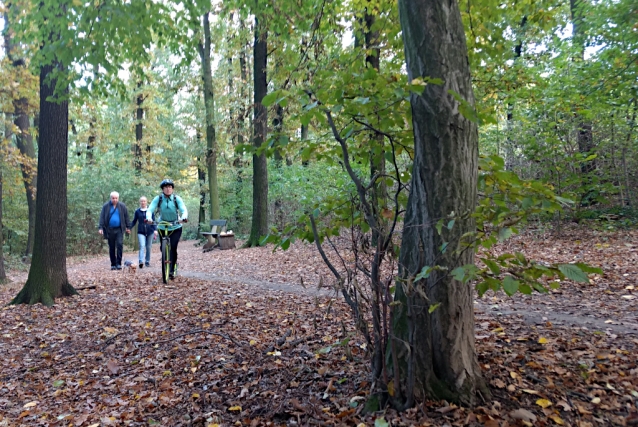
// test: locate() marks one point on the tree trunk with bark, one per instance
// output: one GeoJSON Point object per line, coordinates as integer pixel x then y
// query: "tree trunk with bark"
{"type": "Point", "coordinates": [7, 135]}
{"type": "Point", "coordinates": [441, 361]}
{"type": "Point", "coordinates": [241, 123]}
{"type": "Point", "coordinates": [201, 177]}
{"type": "Point", "coordinates": [584, 129]}
{"type": "Point", "coordinates": [259, 226]}
{"type": "Point", "coordinates": [139, 131]}
{"type": "Point", "coordinates": [24, 142]}
{"type": "Point", "coordinates": [24, 139]}
{"type": "Point", "coordinates": [209, 103]}
{"type": "Point", "coordinates": [47, 278]}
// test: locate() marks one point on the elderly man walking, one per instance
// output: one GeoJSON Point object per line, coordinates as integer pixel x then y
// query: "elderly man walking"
{"type": "Point", "coordinates": [114, 223]}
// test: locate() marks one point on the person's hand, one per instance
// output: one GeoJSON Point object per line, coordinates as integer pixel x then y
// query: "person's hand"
{"type": "Point", "coordinates": [128, 231]}
{"type": "Point", "coordinates": [185, 220]}
{"type": "Point", "coordinates": [100, 231]}
{"type": "Point", "coordinates": [155, 233]}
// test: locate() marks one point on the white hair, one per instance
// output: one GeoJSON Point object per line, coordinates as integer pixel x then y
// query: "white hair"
{"type": "Point", "coordinates": [115, 193]}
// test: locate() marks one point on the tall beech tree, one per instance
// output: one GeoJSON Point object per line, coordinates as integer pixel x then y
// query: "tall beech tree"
{"type": "Point", "coordinates": [47, 276]}
{"type": "Point", "coordinates": [259, 226]}
{"type": "Point", "coordinates": [434, 351]}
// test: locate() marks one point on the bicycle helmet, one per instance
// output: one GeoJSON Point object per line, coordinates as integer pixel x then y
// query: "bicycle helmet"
{"type": "Point", "coordinates": [167, 182]}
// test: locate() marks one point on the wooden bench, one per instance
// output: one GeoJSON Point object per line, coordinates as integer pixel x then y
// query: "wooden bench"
{"type": "Point", "coordinates": [217, 226]}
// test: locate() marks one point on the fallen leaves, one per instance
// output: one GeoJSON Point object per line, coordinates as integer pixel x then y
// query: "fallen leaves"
{"type": "Point", "coordinates": [246, 351]}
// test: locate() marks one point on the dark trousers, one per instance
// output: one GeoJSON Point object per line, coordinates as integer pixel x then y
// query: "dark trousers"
{"type": "Point", "coordinates": [174, 238]}
{"type": "Point", "coordinates": [115, 238]}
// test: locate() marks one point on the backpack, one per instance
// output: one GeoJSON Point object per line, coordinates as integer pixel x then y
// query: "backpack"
{"type": "Point", "coordinates": [161, 198]}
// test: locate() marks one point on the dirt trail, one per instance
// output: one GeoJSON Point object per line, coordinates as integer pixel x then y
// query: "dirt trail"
{"type": "Point", "coordinates": [604, 306]}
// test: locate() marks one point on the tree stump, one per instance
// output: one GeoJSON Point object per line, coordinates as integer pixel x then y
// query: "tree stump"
{"type": "Point", "coordinates": [226, 241]}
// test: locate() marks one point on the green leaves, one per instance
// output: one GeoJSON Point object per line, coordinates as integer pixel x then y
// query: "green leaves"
{"type": "Point", "coordinates": [576, 273]}
{"type": "Point", "coordinates": [510, 285]}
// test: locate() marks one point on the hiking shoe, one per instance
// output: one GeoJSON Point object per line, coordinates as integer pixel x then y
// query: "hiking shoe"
{"type": "Point", "coordinates": [112, 267]}
{"type": "Point", "coordinates": [141, 265]}
{"type": "Point", "coordinates": [148, 264]}
{"type": "Point", "coordinates": [118, 267]}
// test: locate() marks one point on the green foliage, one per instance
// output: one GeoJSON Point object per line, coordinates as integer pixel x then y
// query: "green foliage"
{"type": "Point", "coordinates": [507, 202]}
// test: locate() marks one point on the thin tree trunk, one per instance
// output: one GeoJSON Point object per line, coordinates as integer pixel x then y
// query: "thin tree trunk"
{"type": "Point", "coordinates": [139, 129]}
{"type": "Point", "coordinates": [241, 124]}
{"type": "Point", "coordinates": [201, 177]}
{"type": "Point", "coordinates": [209, 103]}
{"type": "Point", "coordinates": [584, 133]}
{"type": "Point", "coordinates": [90, 145]}
{"type": "Point", "coordinates": [441, 360]}
{"type": "Point", "coordinates": [24, 142]}
{"type": "Point", "coordinates": [24, 139]}
{"type": "Point", "coordinates": [7, 135]}
{"type": "Point", "coordinates": [259, 226]}
{"type": "Point", "coordinates": [47, 278]}
{"type": "Point", "coordinates": [377, 157]}
{"type": "Point", "coordinates": [510, 157]}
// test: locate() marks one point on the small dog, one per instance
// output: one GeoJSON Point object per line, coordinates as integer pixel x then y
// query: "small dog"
{"type": "Point", "coordinates": [129, 267]}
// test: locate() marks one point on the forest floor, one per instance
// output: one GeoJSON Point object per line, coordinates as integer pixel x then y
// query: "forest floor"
{"type": "Point", "coordinates": [245, 337]}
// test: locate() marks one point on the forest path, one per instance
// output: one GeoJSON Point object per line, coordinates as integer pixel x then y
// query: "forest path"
{"type": "Point", "coordinates": [608, 303]}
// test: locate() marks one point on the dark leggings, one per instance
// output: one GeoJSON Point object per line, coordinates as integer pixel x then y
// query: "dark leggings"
{"type": "Point", "coordinates": [174, 238]}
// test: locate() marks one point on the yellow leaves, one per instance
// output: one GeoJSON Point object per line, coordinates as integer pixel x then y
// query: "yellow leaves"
{"type": "Point", "coordinates": [77, 3]}
{"type": "Point", "coordinates": [542, 340]}
{"type": "Point", "coordinates": [235, 408]}
{"type": "Point", "coordinates": [391, 388]}
{"type": "Point", "coordinates": [195, 395]}
{"type": "Point", "coordinates": [31, 404]}
{"type": "Point", "coordinates": [252, 342]}
{"type": "Point", "coordinates": [558, 420]}
{"type": "Point", "coordinates": [111, 331]}
{"type": "Point", "coordinates": [543, 403]}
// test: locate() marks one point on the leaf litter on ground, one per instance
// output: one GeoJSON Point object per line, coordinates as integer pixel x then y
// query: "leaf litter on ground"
{"type": "Point", "coordinates": [236, 340]}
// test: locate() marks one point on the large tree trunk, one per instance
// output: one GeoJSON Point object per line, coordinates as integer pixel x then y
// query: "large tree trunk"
{"type": "Point", "coordinates": [209, 103]}
{"type": "Point", "coordinates": [441, 361]}
{"type": "Point", "coordinates": [47, 276]}
{"type": "Point", "coordinates": [259, 226]}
